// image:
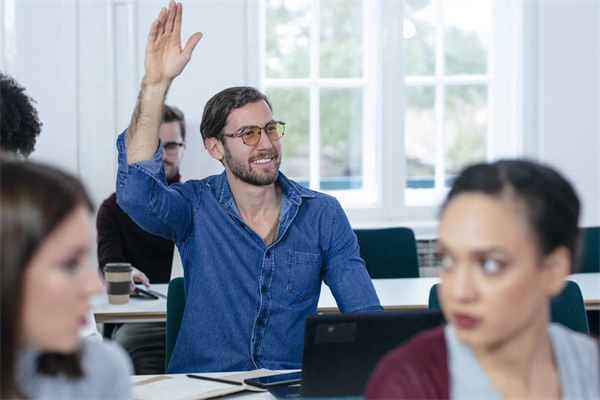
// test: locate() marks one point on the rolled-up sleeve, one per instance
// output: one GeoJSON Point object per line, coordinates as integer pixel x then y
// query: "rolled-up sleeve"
{"type": "Point", "coordinates": [345, 271]}
{"type": "Point", "coordinates": [143, 193]}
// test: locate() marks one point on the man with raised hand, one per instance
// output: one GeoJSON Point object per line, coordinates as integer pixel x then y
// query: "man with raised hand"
{"type": "Point", "coordinates": [255, 246]}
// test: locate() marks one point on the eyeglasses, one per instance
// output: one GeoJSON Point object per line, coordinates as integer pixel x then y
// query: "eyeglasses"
{"type": "Point", "coordinates": [251, 134]}
{"type": "Point", "coordinates": [172, 147]}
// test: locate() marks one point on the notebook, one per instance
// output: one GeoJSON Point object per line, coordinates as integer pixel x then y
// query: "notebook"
{"type": "Point", "coordinates": [181, 387]}
{"type": "Point", "coordinates": [341, 350]}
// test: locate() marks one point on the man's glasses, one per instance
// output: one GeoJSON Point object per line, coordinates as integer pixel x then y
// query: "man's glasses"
{"type": "Point", "coordinates": [251, 134]}
{"type": "Point", "coordinates": [172, 147]}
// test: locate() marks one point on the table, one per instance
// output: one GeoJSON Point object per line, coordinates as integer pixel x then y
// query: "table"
{"type": "Point", "coordinates": [394, 294]}
{"type": "Point", "coordinates": [185, 384]}
{"type": "Point", "coordinates": [139, 309]}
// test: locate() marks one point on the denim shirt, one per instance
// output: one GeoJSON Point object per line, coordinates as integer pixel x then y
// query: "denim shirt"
{"type": "Point", "coordinates": [246, 302]}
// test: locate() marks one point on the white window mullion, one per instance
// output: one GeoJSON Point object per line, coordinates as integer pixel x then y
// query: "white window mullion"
{"type": "Point", "coordinates": [492, 91]}
{"type": "Point", "coordinates": [371, 139]}
{"type": "Point", "coordinates": [440, 96]}
{"type": "Point", "coordinates": [315, 101]}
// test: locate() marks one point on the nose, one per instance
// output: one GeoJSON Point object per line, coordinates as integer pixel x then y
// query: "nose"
{"type": "Point", "coordinates": [463, 284]}
{"type": "Point", "coordinates": [264, 142]}
{"type": "Point", "coordinates": [91, 283]}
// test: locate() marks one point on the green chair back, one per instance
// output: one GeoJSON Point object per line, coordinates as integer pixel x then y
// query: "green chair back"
{"type": "Point", "coordinates": [389, 252]}
{"type": "Point", "coordinates": [589, 260]}
{"type": "Point", "coordinates": [175, 307]}
{"type": "Point", "coordinates": [566, 308]}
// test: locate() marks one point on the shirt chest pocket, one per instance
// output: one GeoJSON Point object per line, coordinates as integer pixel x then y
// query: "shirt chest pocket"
{"type": "Point", "coordinates": [303, 273]}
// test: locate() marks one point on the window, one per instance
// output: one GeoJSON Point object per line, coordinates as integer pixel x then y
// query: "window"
{"type": "Point", "coordinates": [383, 115]}
{"type": "Point", "coordinates": [319, 75]}
{"type": "Point", "coordinates": [448, 83]}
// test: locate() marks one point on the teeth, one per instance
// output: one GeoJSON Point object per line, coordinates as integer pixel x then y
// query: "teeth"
{"type": "Point", "coordinates": [262, 161]}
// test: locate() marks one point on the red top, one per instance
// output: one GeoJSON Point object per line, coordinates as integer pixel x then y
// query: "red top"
{"type": "Point", "coordinates": [416, 370]}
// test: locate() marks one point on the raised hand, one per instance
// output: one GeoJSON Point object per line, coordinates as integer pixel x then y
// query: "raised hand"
{"type": "Point", "coordinates": [165, 59]}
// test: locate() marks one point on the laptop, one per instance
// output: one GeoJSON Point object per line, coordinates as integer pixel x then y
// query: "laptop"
{"type": "Point", "coordinates": [341, 350]}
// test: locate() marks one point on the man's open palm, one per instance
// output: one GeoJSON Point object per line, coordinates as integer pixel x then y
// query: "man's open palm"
{"type": "Point", "coordinates": [165, 59]}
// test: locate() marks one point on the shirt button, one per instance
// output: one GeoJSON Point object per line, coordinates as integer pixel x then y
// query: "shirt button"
{"type": "Point", "coordinates": [255, 358]}
{"type": "Point", "coordinates": [268, 253]}
{"type": "Point", "coordinates": [259, 322]}
{"type": "Point", "coordinates": [242, 224]}
{"type": "Point", "coordinates": [264, 288]}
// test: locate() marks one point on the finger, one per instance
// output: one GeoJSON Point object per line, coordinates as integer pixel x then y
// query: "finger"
{"type": "Point", "coordinates": [171, 16]}
{"type": "Point", "coordinates": [191, 44]}
{"type": "Point", "coordinates": [162, 19]}
{"type": "Point", "coordinates": [178, 18]}
{"type": "Point", "coordinates": [152, 35]}
{"type": "Point", "coordinates": [143, 279]}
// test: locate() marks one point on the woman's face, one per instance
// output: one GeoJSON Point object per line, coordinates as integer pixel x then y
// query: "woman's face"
{"type": "Point", "coordinates": [57, 286]}
{"type": "Point", "coordinates": [495, 286]}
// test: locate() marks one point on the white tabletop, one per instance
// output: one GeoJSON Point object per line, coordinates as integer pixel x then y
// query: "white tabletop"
{"type": "Point", "coordinates": [394, 294]}
{"type": "Point", "coordinates": [187, 384]}
{"type": "Point", "coordinates": [139, 309]}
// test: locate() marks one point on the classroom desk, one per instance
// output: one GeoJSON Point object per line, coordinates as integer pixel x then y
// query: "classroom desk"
{"type": "Point", "coordinates": [394, 294]}
{"type": "Point", "coordinates": [241, 395]}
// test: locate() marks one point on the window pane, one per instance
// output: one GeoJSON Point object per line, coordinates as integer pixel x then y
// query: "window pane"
{"type": "Point", "coordinates": [420, 136]}
{"type": "Point", "coordinates": [465, 126]}
{"type": "Point", "coordinates": [419, 32]}
{"type": "Point", "coordinates": [291, 106]}
{"type": "Point", "coordinates": [287, 39]}
{"type": "Point", "coordinates": [467, 34]}
{"type": "Point", "coordinates": [341, 39]}
{"type": "Point", "coordinates": [341, 138]}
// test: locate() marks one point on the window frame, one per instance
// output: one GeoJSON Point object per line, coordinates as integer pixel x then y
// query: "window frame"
{"type": "Point", "coordinates": [384, 169]}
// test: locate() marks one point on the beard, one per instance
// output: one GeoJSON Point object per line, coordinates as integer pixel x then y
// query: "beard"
{"type": "Point", "coordinates": [244, 172]}
{"type": "Point", "coordinates": [170, 169]}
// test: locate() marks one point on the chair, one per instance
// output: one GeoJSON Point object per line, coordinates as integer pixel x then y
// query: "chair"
{"type": "Point", "coordinates": [589, 260]}
{"type": "Point", "coordinates": [389, 252]}
{"type": "Point", "coordinates": [566, 308]}
{"type": "Point", "coordinates": [175, 307]}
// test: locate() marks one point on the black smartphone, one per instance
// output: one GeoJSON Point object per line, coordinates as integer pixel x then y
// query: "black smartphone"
{"type": "Point", "coordinates": [265, 382]}
{"type": "Point", "coordinates": [146, 293]}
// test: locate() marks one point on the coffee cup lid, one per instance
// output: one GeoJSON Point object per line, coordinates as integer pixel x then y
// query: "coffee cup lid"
{"type": "Point", "coordinates": [114, 267]}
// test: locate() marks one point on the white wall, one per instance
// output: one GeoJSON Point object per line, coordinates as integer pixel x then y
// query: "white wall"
{"type": "Point", "coordinates": [83, 62]}
{"type": "Point", "coordinates": [569, 102]}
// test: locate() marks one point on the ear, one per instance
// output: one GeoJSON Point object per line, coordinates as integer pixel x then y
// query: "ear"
{"type": "Point", "coordinates": [557, 266]}
{"type": "Point", "coordinates": [184, 145]}
{"type": "Point", "coordinates": [215, 148]}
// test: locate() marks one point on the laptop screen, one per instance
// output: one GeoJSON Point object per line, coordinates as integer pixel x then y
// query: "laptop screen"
{"type": "Point", "coordinates": [342, 350]}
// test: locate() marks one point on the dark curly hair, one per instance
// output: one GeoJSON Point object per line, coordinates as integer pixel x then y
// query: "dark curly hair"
{"type": "Point", "coordinates": [20, 124]}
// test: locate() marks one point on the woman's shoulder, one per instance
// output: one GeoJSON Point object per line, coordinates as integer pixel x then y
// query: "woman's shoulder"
{"type": "Point", "coordinates": [107, 369]}
{"type": "Point", "coordinates": [562, 336]}
{"type": "Point", "coordinates": [94, 351]}
{"type": "Point", "coordinates": [416, 369]}
{"type": "Point", "coordinates": [578, 360]}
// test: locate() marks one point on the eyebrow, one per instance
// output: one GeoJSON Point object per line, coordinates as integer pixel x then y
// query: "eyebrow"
{"type": "Point", "coordinates": [251, 126]}
{"type": "Point", "coordinates": [480, 252]}
{"type": "Point", "coordinates": [79, 251]}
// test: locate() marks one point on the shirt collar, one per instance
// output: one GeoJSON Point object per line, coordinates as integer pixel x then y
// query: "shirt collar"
{"type": "Point", "coordinates": [289, 189]}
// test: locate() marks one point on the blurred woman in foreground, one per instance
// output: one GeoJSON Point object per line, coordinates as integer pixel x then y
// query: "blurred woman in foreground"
{"type": "Point", "coordinates": [507, 239]}
{"type": "Point", "coordinates": [46, 283]}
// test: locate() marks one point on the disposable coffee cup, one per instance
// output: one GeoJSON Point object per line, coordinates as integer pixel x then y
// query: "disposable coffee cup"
{"type": "Point", "coordinates": [118, 282]}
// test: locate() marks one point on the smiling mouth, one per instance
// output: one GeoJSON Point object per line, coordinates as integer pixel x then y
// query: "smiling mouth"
{"type": "Point", "coordinates": [262, 161]}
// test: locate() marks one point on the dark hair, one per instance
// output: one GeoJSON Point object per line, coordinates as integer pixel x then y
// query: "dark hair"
{"type": "Point", "coordinates": [219, 107]}
{"type": "Point", "coordinates": [551, 204]}
{"type": "Point", "coordinates": [19, 123]}
{"type": "Point", "coordinates": [171, 114]}
{"type": "Point", "coordinates": [34, 200]}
